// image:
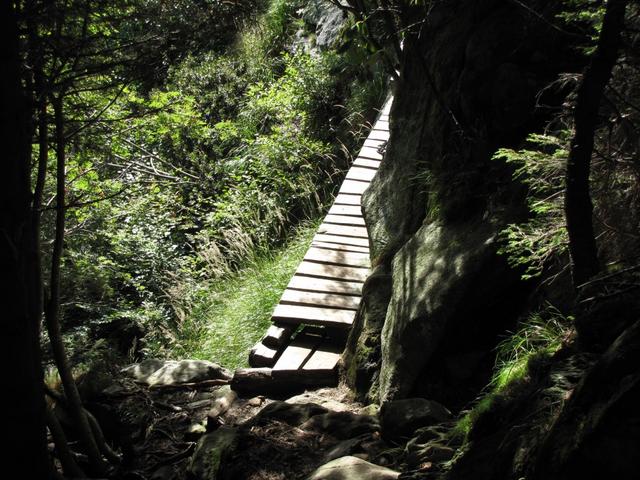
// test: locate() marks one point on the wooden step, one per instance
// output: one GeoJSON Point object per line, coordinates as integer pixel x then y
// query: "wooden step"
{"type": "Point", "coordinates": [351, 259]}
{"type": "Point", "coordinates": [320, 299]}
{"type": "Point", "coordinates": [277, 335]}
{"type": "Point", "coordinates": [370, 152]}
{"type": "Point", "coordinates": [298, 351]}
{"type": "Point", "coordinates": [354, 187]}
{"type": "Point", "coordinates": [353, 210]}
{"type": "Point", "coordinates": [262, 356]}
{"type": "Point", "coordinates": [339, 247]}
{"type": "Point", "coordinates": [366, 163]}
{"type": "Point", "coordinates": [334, 272]}
{"type": "Point", "coordinates": [315, 284]}
{"type": "Point", "coordinates": [362, 174]}
{"type": "Point", "coordinates": [346, 199]}
{"type": "Point", "coordinates": [325, 357]}
{"type": "Point", "coordinates": [330, 317]}
{"type": "Point", "coordinates": [345, 220]}
{"type": "Point", "coordinates": [342, 240]}
{"type": "Point", "coordinates": [343, 230]}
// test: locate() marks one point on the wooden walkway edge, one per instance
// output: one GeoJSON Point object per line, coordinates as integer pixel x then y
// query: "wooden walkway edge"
{"type": "Point", "coordinates": [325, 291]}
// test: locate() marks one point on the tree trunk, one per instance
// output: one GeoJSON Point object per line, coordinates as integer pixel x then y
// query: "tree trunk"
{"type": "Point", "coordinates": [76, 410]}
{"type": "Point", "coordinates": [578, 206]}
{"type": "Point", "coordinates": [24, 424]}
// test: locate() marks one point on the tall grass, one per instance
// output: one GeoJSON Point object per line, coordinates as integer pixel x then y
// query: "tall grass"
{"type": "Point", "coordinates": [228, 316]}
{"type": "Point", "coordinates": [541, 334]}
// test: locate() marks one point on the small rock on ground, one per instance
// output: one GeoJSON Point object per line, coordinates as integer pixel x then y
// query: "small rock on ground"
{"type": "Point", "coordinates": [352, 468]}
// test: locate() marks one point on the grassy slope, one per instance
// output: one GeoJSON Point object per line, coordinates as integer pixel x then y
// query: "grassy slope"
{"type": "Point", "coordinates": [232, 314]}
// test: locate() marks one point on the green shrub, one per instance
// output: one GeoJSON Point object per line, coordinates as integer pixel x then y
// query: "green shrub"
{"type": "Point", "coordinates": [534, 243]}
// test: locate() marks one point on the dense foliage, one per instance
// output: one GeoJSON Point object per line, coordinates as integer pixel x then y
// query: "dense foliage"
{"type": "Point", "coordinates": [189, 155]}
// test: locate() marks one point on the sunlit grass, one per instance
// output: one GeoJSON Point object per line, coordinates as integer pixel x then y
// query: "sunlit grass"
{"type": "Point", "coordinates": [231, 315]}
{"type": "Point", "coordinates": [541, 335]}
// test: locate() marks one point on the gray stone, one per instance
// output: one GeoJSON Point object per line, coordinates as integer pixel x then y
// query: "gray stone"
{"type": "Point", "coordinates": [352, 468]}
{"type": "Point", "coordinates": [327, 19]}
{"type": "Point", "coordinates": [141, 371]}
{"type": "Point", "coordinates": [222, 399]}
{"type": "Point", "coordinates": [170, 372]}
{"type": "Point", "coordinates": [401, 418]}
{"type": "Point", "coordinates": [211, 452]}
{"type": "Point", "coordinates": [293, 414]}
{"type": "Point", "coordinates": [342, 425]}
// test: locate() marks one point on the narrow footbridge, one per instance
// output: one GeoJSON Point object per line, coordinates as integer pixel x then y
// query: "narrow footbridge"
{"type": "Point", "coordinates": [316, 311]}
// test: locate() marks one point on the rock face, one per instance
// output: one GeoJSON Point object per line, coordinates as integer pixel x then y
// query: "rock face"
{"type": "Point", "coordinates": [433, 275]}
{"type": "Point", "coordinates": [467, 86]}
{"type": "Point", "coordinates": [169, 372]}
{"type": "Point", "coordinates": [352, 468]}
{"type": "Point", "coordinates": [597, 435]}
{"type": "Point", "coordinates": [328, 20]}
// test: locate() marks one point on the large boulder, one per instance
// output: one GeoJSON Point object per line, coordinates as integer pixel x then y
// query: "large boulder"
{"type": "Point", "coordinates": [352, 468]}
{"type": "Point", "coordinates": [342, 425]}
{"type": "Point", "coordinates": [400, 419]}
{"type": "Point", "coordinates": [170, 372]}
{"type": "Point", "coordinates": [434, 274]}
{"type": "Point", "coordinates": [327, 19]}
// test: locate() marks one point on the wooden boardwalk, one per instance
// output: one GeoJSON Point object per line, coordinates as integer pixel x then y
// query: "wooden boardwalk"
{"type": "Point", "coordinates": [325, 291]}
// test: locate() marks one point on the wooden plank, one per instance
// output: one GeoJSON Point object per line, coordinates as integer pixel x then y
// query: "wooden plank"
{"type": "Point", "coordinates": [353, 187]}
{"type": "Point", "coordinates": [353, 210]}
{"type": "Point", "coordinates": [343, 230]}
{"type": "Point", "coordinates": [363, 174]}
{"type": "Point", "coordinates": [295, 355]}
{"type": "Point", "coordinates": [345, 220]}
{"type": "Point", "coordinates": [352, 259]}
{"type": "Point", "coordinates": [320, 299]}
{"type": "Point", "coordinates": [325, 357]}
{"type": "Point", "coordinates": [342, 240]}
{"type": "Point", "coordinates": [331, 317]}
{"type": "Point", "coordinates": [374, 142]}
{"type": "Point", "coordinates": [370, 152]}
{"type": "Point", "coordinates": [300, 282]}
{"type": "Point", "coordinates": [346, 199]}
{"type": "Point", "coordinates": [337, 246]}
{"type": "Point", "coordinates": [386, 108]}
{"type": "Point", "coordinates": [277, 335]}
{"type": "Point", "coordinates": [262, 356]}
{"type": "Point", "coordinates": [367, 163]}
{"type": "Point", "coordinates": [349, 274]}
{"type": "Point", "coordinates": [378, 135]}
